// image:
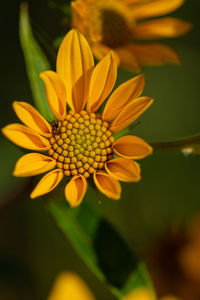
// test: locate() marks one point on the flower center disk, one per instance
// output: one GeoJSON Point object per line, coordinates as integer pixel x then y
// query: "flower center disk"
{"type": "Point", "coordinates": [81, 144]}
{"type": "Point", "coordinates": [115, 30]}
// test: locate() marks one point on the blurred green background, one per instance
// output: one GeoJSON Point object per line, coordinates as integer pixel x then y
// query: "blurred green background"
{"type": "Point", "coordinates": [32, 250]}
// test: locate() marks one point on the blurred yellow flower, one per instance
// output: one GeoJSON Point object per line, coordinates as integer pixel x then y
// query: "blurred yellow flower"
{"type": "Point", "coordinates": [119, 24]}
{"type": "Point", "coordinates": [189, 256]}
{"type": "Point", "coordinates": [80, 142]}
{"type": "Point", "coordinates": [70, 286]}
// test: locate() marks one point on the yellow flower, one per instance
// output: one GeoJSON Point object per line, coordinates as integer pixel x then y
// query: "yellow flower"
{"type": "Point", "coordinates": [70, 286]}
{"type": "Point", "coordinates": [80, 142]}
{"type": "Point", "coordinates": [118, 25]}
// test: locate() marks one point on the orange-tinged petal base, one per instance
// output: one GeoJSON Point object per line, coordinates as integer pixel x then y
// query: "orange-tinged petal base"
{"type": "Point", "coordinates": [123, 169]}
{"type": "Point", "coordinates": [25, 137]}
{"type": "Point", "coordinates": [75, 190]}
{"type": "Point", "coordinates": [131, 146]}
{"type": "Point", "coordinates": [33, 164]}
{"type": "Point", "coordinates": [107, 185]}
{"type": "Point", "coordinates": [47, 183]}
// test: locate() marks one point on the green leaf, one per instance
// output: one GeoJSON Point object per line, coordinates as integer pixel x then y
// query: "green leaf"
{"type": "Point", "coordinates": [188, 145]}
{"type": "Point", "coordinates": [100, 246]}
{"type": "Point", "coordinates": [36, 62]}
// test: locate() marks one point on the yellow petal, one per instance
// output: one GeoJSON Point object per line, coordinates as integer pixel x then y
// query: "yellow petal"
{"type": "Point", "coordinates": [130, 113]}
{"type": "Point", "coordinates": [75, 190]}
{"type": "Point", "coordinates": [32, 118]}
{"type": "Point", "coordinates": [102, 82]}
{"type": "Point", "coordinates": [126, 92]}
{"type": "Point", "coordinates": [155, 8]}
{"type": "Point", "coordinates": [74, 66]}
{"type": "Point", "coordinates": [100, 50]}
{"type": "Point", "coordinates": [47, 183]}
{"type": "Point", "coordinates": [131, 146]}
{"type": "Point", "coordinates": [154, 54]}
{"type": "Point", "coordinates": [56, 93]}
{"type": "Point", "coordinates": [107, 185]}
{"type": "Point", "coordinates": [123, 169]}
{"type": "Point", "coordinates": [161, 28]}
{"type": "Point", "coordinates": [25, 137]}
{"type": "Point", "coordinates": [78, 11]}
{"type": "Point", "coordinates": [127, 59]}
{"type": "Point", "coordinates": [33, 164]}
{"type": "Point", "coordinates": [80, 6]}
{"type": "Point", "coordinates": [69, 286]}
{"type": "Point", "coordinates": [139, 294]}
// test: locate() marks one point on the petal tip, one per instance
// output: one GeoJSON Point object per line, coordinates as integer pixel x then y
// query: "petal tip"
{"type": "Point", "coordinates": [149, 101]}
{"type": "Point", "coordinates": [15, 173]}
{"type": "Point", "coordinates": [117, 197]}
{"type": "Point", "coordinates": [32, 195]}
{"type": "Point", "coordinates": [111, 53]}
{"type": "Point", "coordinates": [138, 179]}
{"type": "Point", "coordinates": [73, 205]}
{"type": "Point", "coordinates": [42, 74]}
{"type": "Point", "coordinates": [15, 103]}
{"type": "Point", "coordinates": [14, 106]}
{"type": "Point", "coordinates": [112, 190]}
{"type": "Point", "coordinates": [5, 131]}
{"type": "Point", "coordinates": [152, 100]}
{"type": "Point", "coordinates": [75, 190]}
{"type": "Point", "coordinates": [113, 57]}
{"type": "Point", "coordinates": [150, 150]}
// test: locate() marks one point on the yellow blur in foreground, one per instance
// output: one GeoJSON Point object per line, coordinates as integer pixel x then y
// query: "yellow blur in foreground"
{"type": "Point", "coordinates": [69, 286]}
{"type": "Point", "coordinates": [189, 256]}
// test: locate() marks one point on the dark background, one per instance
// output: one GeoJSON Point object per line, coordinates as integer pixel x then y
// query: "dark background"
{"type": "Point", "coordinates": [32, 251]}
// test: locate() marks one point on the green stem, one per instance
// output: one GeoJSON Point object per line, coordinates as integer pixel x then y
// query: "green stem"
{"type": "Point", "coordinates": [192, 142]}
